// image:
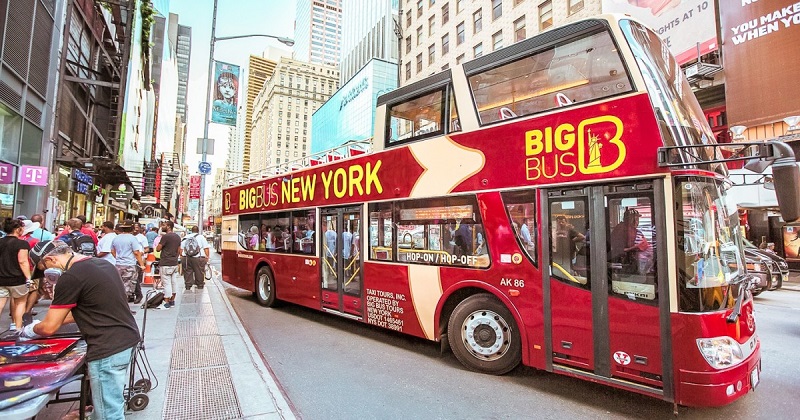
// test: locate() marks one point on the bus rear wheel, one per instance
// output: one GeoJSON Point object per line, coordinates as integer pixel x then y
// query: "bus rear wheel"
{"type": "Point", "coordinates": [265, 287]}
{"type": "Point", "coordinates": [484, 336]}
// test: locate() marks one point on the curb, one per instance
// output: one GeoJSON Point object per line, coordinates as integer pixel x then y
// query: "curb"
{"type": "Point", "coordinates": [279, 400]}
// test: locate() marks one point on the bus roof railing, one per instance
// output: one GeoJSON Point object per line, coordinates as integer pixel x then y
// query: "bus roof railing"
{"type": "Point", "coordinates": [344, 151]}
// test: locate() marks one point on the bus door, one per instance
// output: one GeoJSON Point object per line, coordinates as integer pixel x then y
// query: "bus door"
{"type": "Point", "coordinates": [341, 260]}
{"type": "Point", "coordinates": [602, 290]}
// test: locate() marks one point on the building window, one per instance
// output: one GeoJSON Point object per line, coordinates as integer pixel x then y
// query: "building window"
{"type": "Point", "coordinates": [419, 63]}
{"type": "Point", "coordinates": [445, 13]}
{"type": "Point", "coordinates": [445, 44]}
{"type": "Point", "coordinates": [408, 71]}
{"type": "Point", "coordinates": [431, 53]}
{"type": "Point", "coordinates": [574, 6]}
{"type": "Point", "coordinates": [408, 44]}
{"type": "Point", "coordinates": [519, 29]}
{"type": "Point", "coordinates": [518, 2]}
{"type": "Point", "coordinates": [460, 59]}
{"type": "Point", "coordinates": [419, 35]}
{"type": "Point", "coordinates": [460, 33]}
{"type": "Point", "coordinates": [545, 15]}
{"type": "Point", "coordinates": [497, 40]}
{"type": "Point", "coordinates": [419, 8]}
{"type": "Point", "coordinates": [431, 23]}
{"type": "Point", "coordinates": [478, 50]}
{"type": "Point", "coordinates": [459, 6]}
{"type": "Point", "coordinates": [445, 67]}
{"type": "Point", "coordinates": [408, 19]}
{"type": "Point", "coordinates": [432, 2]}
{"type": "Point", "coordinates": [477, 21]}
{"type": "Point", "coordinates": [497, 9]}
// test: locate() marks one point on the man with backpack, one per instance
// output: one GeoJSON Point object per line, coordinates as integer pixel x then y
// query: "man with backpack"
{"type": "Point", "coordinates": [195, 250]}
{"type": "Point", "coordinates": [80, 242]}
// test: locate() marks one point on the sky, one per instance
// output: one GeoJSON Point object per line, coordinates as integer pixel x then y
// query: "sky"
{"type": "Point", "coordinates": [234, 17]}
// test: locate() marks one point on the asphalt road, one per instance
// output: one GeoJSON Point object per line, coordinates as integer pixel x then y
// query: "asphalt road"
{"type": "Point", "coordinates": [334, 368]}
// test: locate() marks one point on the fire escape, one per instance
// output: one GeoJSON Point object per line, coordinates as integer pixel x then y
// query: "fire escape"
{"type": "Point", "coordinates": [93, 74]}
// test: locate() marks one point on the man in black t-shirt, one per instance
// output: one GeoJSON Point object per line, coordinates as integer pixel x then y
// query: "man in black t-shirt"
{"type": "Point", "coordinates": [168, 265]}
{"type": "Point", "coordinates": [90, 293]}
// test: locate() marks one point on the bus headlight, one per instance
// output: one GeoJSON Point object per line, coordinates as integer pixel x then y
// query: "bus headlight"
{"type": "Point", "coordinates": [720, 352]}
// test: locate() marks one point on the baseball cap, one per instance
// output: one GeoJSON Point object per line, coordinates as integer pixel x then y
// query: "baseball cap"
{"type": "Point", "coordinates": [21, 217]}
{"type": "Point", "coordinates": [39, 251]}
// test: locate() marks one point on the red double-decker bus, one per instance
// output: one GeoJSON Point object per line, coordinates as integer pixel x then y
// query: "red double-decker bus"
{"type": "Point", "coordinates": [558, 203]}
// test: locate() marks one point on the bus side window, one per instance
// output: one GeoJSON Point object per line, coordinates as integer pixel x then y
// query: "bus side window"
{"type": "Point", "coordinates": [569, 257]}
{"type": "Point", "coordinates": [248, 232]}
{"type": "Point", "coordinates": [380, 231]}
{"type": "Point", "coordinates": [521, 209]}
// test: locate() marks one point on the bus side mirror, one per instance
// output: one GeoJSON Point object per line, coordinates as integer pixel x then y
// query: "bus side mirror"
{"type": "Point", "coordinates": [785, 169]}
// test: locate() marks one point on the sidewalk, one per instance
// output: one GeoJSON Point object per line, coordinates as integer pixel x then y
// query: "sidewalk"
{"type": "Point", "coordinates": [205, 365]}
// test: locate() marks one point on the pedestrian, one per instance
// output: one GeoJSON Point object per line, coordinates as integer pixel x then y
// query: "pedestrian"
{"type": "Point", "coordinates": [15, 270]}
{"type": "Point", "coordinates": [168, 246]}
{"type": "Point", "coordinates": [138, 232]}
{"type": "Point", "coordinates": [89, 292]}
{"type": "Point", "coordinates": [104, 246]}
{"type": "Point", "coordinates": [33, 291]}
{"type": "Point", "coordinates": [194, 265]}
{"type": "Point", "coordinates": [87, 228]}
{"type": "Point", "coordinates": [41, 233]}
{"type": "Point", "coordinates": [128, 253]}
{"type": "Point", "coordinates": [151, 235]}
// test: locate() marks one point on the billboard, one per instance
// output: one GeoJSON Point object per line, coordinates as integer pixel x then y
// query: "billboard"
{"type": "Point", "coordinates": [194, 187]}
{"type": "Point", "coordinates": [226, 93]}
{"type": "Point", "coordinates": [760, 53]}
{"type": "Point", "coordinates": [683, 24]}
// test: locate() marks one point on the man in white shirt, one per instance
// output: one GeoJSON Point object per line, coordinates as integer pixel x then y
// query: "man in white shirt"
{"type": "Point", "coordinates": [104, 246]}
{"type": "Point", "coordinates": [194, 266]}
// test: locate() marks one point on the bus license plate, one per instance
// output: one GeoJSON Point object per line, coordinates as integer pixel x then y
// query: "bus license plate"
{"type": "Point", "coordinates": [754, 378]}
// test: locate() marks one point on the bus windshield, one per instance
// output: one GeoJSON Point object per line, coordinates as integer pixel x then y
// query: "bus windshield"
{"type": "Point", "coordinates": [679, 115]}
{"type": "Point", "coordinates": [710, 256]}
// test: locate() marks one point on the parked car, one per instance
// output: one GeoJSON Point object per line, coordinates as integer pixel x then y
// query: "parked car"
{"type": "Point", "coordinates": [761, 268]}
{"type": "Point", "coordinates": [782, 265]}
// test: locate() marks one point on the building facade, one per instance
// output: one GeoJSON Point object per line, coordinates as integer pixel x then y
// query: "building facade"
{"type": "Point", "coordinates": [318, 31]}
{"type": "Point", "coordinates": [184, 55]}
{"type": "Point", "coordinates": [349, 115]}
{"type": "Point", "coordinates": [287, 102]}
{"type": "Point", "coordinates": [259, 69]}
{"type": "Point", "coordinates": [27, 96]}
{"type": "Point", "coordinates": [368, 31]}
{"type": "Point", "coordinates": [439, 34]}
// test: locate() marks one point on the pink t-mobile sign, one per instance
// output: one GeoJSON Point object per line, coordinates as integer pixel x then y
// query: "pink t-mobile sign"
{"type": "Point", "coordinates": [33, 175]}
{"type": "Point", "coordinates": [6, 173]}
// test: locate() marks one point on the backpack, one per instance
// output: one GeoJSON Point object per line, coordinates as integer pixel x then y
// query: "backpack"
{"type": "Point", "coordinates": [191, 247]}
{"type": "Point", "coordinates": [153, 301]}
{"type": "Point", "coordinates": [80, 243]}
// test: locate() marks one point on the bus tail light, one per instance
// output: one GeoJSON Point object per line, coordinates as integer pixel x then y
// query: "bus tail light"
{"type": "Point", "coordinates": [720, 352]}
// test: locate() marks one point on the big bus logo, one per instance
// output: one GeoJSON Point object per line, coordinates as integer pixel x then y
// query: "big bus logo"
{"type": "Point", "coordinates": [595, 147]}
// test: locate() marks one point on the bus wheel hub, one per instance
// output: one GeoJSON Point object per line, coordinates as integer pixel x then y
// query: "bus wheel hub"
{"type": "Point", "coordinates": [486, 334]}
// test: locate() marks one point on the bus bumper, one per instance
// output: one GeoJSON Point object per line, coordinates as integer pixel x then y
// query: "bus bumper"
{"type": "Point", "coordinates": [721, 387]}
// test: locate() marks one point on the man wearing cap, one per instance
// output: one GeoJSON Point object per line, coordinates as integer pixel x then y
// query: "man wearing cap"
{"type": "Point", "coordinates": [128, 252]}
{"type": "Point", "coordinates": [85, 294]}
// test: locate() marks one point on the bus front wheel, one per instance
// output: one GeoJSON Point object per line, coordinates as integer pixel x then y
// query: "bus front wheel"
{"type": "Point", "coordinates": [484, 336]}
{"type": "Point", "coordinates": [265, 287]}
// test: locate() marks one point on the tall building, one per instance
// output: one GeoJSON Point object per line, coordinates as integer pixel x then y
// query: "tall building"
{"type": "Point", "coordinates": [437, 35]}
{"type": "Point", "coordinates": [29, 41]}
{"type": "Point", "coordinates": [286, 104]}
{"type": "Point", "coordinates": [259, 69]}
{"type": "Point", "coordinates": [318, 31]}
{"type": "Point", "coordinates": [184, 54]}
{"type": "Point", "coordinates": [368, 31]}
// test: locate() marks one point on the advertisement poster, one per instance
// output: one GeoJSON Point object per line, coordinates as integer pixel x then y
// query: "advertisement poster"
{"type": "Point", "coordinates": [682, 24]}
{"type": "Point", "coordinates": [226, 93]}
{"type": "Point", "coordinates": [761, 59]}
{"type": "Point", "coordinates": [791, 242]}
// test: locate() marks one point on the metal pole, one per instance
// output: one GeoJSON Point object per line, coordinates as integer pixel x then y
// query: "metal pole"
{"type": "Point", "coordinates": [201, 204]}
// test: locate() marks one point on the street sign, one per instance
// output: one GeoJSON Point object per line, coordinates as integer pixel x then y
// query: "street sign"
{"type": "Point", "coordinates": [204, 168]}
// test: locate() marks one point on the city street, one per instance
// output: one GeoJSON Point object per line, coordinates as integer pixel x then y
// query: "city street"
{"type": "Point", "coordinates": [331, 367]}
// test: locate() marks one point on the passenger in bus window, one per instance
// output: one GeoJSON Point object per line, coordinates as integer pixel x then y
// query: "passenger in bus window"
{"type": "Point", "coordinates": [330, 241]}
{"type": "Point", "coordinates": [480, 241]}
{"type": "Point", "coordinates": [565, 243]}
{"type": "Point", "coordinates": [629, 246]}
{"type": "Point", "coordinates": [448, 238]}
{"type": "Point", "coordinates": [463, 240]}
{"type": "Point", "coordinates": [525, 233]}
{"type": "Point", "coordinates": [254, 239]}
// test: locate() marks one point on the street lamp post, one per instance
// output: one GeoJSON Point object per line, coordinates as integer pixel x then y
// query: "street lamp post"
{"type": "Point", "coordinates": [288, 41]}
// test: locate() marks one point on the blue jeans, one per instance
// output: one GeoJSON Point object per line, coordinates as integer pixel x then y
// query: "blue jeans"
{"type": "Point", "coordinates": [107, 378]}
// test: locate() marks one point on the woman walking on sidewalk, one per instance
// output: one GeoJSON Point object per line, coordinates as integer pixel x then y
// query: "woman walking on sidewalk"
{"type": "Point", "coordinates": [15, 270]}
